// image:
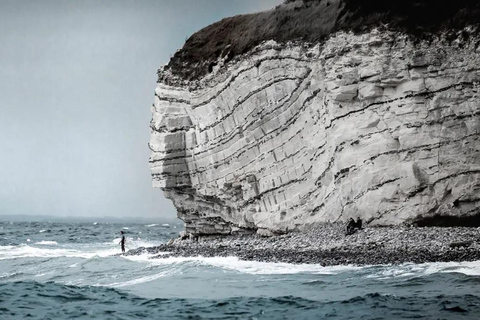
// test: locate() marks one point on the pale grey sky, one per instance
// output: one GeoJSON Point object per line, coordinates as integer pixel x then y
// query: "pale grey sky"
{"type": "Point", "coordinates": [76, 85]}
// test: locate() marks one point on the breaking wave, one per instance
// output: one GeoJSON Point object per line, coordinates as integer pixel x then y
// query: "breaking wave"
{"type": "Point", "coordinates": [83, 265]}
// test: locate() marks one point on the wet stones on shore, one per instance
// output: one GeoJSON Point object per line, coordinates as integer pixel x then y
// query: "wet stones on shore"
{"type": "Point", "coordinates": [327, 245]}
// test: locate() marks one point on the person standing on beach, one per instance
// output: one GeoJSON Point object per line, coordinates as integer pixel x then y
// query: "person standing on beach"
{"type": "Point", "coordinates": [122, 242]}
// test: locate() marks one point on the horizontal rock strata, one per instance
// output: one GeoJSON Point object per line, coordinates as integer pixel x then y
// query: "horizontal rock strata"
{"type": "Point", "coordinates": [373, 125]}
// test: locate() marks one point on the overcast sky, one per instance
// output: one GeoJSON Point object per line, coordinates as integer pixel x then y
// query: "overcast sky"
{"type": "Point", "coordinates": [76, 84]}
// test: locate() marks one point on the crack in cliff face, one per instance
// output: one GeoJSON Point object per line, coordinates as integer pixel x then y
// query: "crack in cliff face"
{"type": "Point", "coordinates": [172, 100]}
{"type": "Point", "coordinates": [164, 129]}
{"type": "Point", "coordinates": [425, 94]}
{"type": "Point", "coordinates": [370, 125]}
{"type": "Point", "coordinates": [425, 147]}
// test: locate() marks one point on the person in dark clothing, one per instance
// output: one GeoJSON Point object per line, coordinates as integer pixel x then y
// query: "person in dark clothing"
{"type": "Point", "coordinates": [350, 227]}
{"type": "Point", "coordinates": [359, 224]}
{"type": "Point", "coordinates": [353, 226]}
{"type": "Point", "coordinates": [122, 242]}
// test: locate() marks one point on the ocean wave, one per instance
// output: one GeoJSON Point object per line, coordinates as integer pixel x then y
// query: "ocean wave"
{"type": "Point", "coordinates": [151, 225]}
{"type": "Point", "coordinates": [381, 272]}
{"type": "Point", "coordinates": [27, 251]}
{"type": "Point", "coordinates": [241, 266]}
{"type": "Point", "coordinates": [43, 249]}
{"type": "Point", "coordinates": [50, 243]}
{"type": "Point", "coordinates": [410, 270]}
{"type": "Point", "coordinates": [94, 302]}
{"type": "Point", "coordinates": [141, 280]}
{"type": "Point", "coordinates": [9, 275]}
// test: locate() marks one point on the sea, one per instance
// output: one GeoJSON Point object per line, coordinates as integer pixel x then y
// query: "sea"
{"type": "Point", "coordinates": [74, 270]}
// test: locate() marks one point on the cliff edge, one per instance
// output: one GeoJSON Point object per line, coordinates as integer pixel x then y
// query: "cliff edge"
{"type": "Point", "coordinates": [318, 111]}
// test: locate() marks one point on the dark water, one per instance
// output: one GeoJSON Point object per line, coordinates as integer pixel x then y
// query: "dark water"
{"type": "Point", "coordinates": [71, 271]}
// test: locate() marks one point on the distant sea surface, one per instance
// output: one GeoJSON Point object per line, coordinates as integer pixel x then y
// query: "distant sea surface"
{"type": "Point", "coordinates": [74, 271]}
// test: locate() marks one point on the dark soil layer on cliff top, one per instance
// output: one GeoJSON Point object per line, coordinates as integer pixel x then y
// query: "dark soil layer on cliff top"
{"type": "Point", "coordinates": [328, 245]}
{"type": "Point", "coordinates": [312, 21]}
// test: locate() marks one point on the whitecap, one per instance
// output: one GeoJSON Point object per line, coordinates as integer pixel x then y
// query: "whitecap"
{"type": "Point", "coordinates": [469, 268]}
{"type": "Point", "coordinates": [410, 270]}
{"type": "Point", "coordinates": [255, 267]}
{"type": "Point", "coordinates": [151, 225]}
{"type": "Point", "coordinates": [42, 231]}
{"type": "Point", "coordinates": [125, 228]}
{"type": "Point", "coordinates": [9, 275]}
{"type": "Point", "coordinates": [379, 272]}
{"type": "Point", "coordinates": [166, 225]}
{"type": "Point", "coordinates": [249, 267]}
{"type": "Point", "coordinates": [47, 243]}
{"type": "Point", "coordinates": [26, 251]}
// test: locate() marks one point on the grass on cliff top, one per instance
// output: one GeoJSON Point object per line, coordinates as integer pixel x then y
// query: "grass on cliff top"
{"type": "Point", "coordinates": [312, 21]}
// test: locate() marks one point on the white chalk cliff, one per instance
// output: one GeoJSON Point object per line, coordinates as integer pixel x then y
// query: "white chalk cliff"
{"type": "Point", "coordinates": [374, 125]}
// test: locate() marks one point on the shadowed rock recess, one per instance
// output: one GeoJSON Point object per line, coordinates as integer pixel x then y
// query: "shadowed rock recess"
{"type": "Point", "coordinates": [318, 111]}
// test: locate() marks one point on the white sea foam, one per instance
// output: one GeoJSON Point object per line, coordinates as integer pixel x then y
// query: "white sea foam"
{"type": "Point", "coordinates": [8, 275]}
{"type": "Point", "coordinates": [147, 257]}
{"type": "Point", "coordinates": [470, 268]}
{"type": "Point", "coordinates": [410, 270]}
{"type": "Point", "coordinates": [42, 274]}
{"type": "Point", "coordinates": [264, 268]}
{"type": "Point", "coordinates": [42, 231]}
{"type": "Point", "coordinates": [254, 267]}
{"type": "Point", "coordinates": [249, 267]}
{"type": "Point", "coordinates": [165, 225]}
{"type": "Point", "coordinates": [47, 243]}
{"type": "Point", "coordinates": [151, 225]}
{"type": "Point", "coordinates": [26, 251]}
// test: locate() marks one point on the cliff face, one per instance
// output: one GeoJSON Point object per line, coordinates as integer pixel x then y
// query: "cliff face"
{"type": "Point", "coordinates": [373, 124]}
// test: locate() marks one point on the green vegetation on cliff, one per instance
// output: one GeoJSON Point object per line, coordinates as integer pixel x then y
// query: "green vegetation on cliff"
{"type": "Point", "coordinates": [314, 20]}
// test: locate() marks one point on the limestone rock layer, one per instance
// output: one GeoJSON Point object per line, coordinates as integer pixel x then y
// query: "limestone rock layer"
{"type": "Point", "coordinates": [372, 125]}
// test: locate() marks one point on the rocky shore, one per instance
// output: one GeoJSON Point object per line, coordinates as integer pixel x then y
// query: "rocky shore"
{"type": "Point", "coordinates": [327, 244]}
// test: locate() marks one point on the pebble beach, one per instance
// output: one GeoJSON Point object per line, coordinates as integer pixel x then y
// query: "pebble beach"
{"type": "Point", "coordinates": [328, 245]}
